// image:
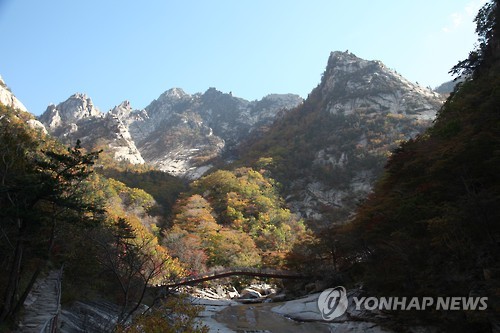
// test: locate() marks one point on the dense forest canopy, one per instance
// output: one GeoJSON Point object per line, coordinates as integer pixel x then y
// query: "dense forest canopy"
{"type": "Point", "coordinates": [233, 218]}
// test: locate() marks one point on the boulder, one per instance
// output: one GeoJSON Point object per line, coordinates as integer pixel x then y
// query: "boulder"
{"type": "Point", "coordinates": [249, 293]}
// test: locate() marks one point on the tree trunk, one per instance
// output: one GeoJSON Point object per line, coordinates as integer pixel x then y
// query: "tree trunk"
{"type": "Point", "coordinates": [13, 284]}
{"type": "Point", "coordinates": [26, 292]}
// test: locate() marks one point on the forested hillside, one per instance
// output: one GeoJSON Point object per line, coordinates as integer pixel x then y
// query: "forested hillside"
{"type": "Point", "coordinates": [56, 210]}
{"type": "Point", "coordinates": [233, 218]}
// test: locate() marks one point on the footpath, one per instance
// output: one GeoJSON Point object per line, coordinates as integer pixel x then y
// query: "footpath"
{"type": "Point", "coordinates": [41, 304]}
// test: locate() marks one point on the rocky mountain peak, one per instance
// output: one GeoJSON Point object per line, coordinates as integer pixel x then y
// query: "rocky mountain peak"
{"type": "Point", "coordinates": [346, 62]}
{"type": "Point", "coordinates": [77, 107]}
{"type": "Point", "coordinates": [179, 133]}
{"type": "Point", "coordinates": [352, 84]}
{"type": "Point", "coordinates": [213, 93]}
{"type": "Point", "coordinates": [166, 102]}
{"type": "Point", "coordinates": [78, 119]}
{"type": "Point", "coordinates": [173, 94]}
{"type": "Point", "coordinates": [122, 110]}
{"type": "Point", "coordinates": [125, 105]}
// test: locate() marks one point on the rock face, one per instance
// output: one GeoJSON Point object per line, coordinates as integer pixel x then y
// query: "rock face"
{"type": "Point", "coordinates": [447, 87]}
{"type": "Point", "coordinates": [8, 98]}
{"type": "Point", "coordinates": [178, 133]}
{"type": "Point", "coordinates": [377, 108]}
{"type": "Point", "coordinates": [351, 84]}
{"type": "Point", "coordinates": [75, 109]}
{"type": "Point", "coordinates": [78, 119]}
{"type": "Point", "coordinates": [332, 148]}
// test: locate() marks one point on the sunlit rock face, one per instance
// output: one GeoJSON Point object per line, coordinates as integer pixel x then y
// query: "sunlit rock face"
{"type": "Point", "coordinates": [178, 133]}
{"type": "Point", "coordinates": [353, 84]}
{"type": "Point", "coordinates": [78, 119]}
{"type": "Point", "coordinates": [8, 98]}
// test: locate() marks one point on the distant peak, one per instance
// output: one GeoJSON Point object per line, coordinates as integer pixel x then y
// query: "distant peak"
{"type": "Point", "coordinates": [122, 110]}
{"type": "Point", "coordinates": [213, 94]}
{"type": "Point", "coordinates": [213, 90]}
{"type": "Point", "coordinates": [173, 93]}
{"type": "Point", "coordinates": [347, 61]}
{"type": "Point", "coordinates": [75, 108]}
{"type": "Point", "coordinates": [81, 96]}
{"type": "Point", "coordinates": [343, 55]}
{"type": "Point", "coordinates": [124, 105]}
{"type": "Point", "coordinates": [82, 100]}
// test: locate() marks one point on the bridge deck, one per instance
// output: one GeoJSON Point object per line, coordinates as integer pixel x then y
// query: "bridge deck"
{"type": "Point", "coordinates": [257, 272]}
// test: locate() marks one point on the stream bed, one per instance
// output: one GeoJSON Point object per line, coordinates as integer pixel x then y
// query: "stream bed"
{"type": "Point", "coordinates": [260, 318]}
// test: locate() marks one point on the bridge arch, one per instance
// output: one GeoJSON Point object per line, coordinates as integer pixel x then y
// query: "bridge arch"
{"type": "Point", "coordinates": [237, 271]}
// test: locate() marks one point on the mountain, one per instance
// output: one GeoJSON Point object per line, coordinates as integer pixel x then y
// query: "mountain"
{"type": "Point", "coordinates": [177, 133]}
{"type": "Point", "coordinates": [431, 226]}
{"type": "Point", "coordinates": [55, 210]}
{"type": "Point", "coordinates": [78, 119]}
{"type": "Point", "coordinates": [328, 152]}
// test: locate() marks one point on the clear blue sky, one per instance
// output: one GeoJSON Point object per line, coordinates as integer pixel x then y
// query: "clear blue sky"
{"type": "Point", "coordinates": [116, 50]}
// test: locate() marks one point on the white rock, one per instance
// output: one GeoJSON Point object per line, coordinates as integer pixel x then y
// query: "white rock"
{"type": "Point", "coordinates": [8, 98]}
{"type": "Point", "coordinates": [33, 123]}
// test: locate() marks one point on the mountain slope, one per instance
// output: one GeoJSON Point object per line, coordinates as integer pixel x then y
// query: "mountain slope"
{"type": "Point", "coordinates": [329, 151]}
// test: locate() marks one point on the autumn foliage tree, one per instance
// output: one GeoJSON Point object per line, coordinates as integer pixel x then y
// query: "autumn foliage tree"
{"type": "Point", "coordinates": [136, 261]}
{"type": "Point", "coordinates": [42, 188]}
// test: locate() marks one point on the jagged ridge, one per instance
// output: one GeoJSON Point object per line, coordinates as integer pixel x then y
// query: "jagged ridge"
{"type": "Point", "coordinates": [178, 132]}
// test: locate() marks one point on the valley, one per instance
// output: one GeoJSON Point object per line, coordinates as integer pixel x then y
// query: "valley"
{"type": "Point", "coordinates": [180, 211]}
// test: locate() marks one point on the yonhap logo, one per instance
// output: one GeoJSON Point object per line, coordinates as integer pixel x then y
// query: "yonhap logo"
{"type": "Point", "coordinates": [332, 303]}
